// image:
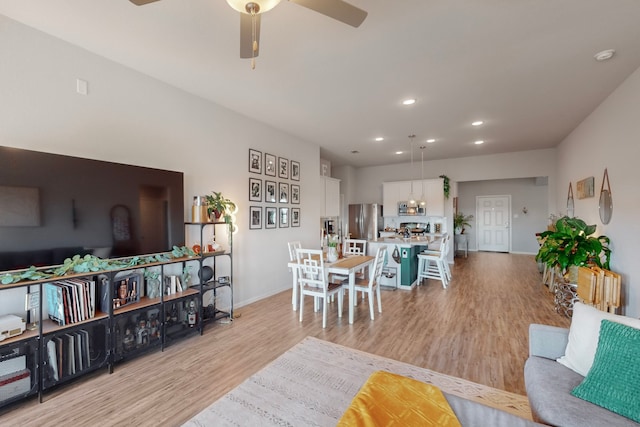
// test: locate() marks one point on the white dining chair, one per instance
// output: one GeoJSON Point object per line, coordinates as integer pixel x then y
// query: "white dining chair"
{"type": "Point", "coordinates": [313, 280]}
{"type": "Point", "coordinates": [371, 285]}
{"type": "Point", "coordinates": [293, 256]}
{"type": "Point", "coordinates": [354, 247]}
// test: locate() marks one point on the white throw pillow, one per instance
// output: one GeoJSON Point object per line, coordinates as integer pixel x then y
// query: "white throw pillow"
{"type": "Point", "coordinates": [584, 333]}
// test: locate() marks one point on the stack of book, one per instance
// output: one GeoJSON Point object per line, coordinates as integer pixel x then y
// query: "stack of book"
{"type": "Point", "coordinates": [68, 354]}
{"type": "Point", "coordinates": [70, 301]}
{"type": "Point", "coordinates": [599, 288]}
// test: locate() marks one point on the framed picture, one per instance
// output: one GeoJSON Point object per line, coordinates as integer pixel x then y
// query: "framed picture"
{"type": "Point", "coordinates": [585, 188]}
{"type": "Point", "coordinates": [283, 168]}
{"type": "Point", "coordinates": [284, 217]}
{"type": "Point", "coordinates": [255, 161]}
{"type": "Point", "coordinates": [255, 189]}
{"type": "Point", "coordinates": [270, 191]}
{"type": "Point", "coordinates": [255, 217]}
{"type": "Point", "coordinates": [269, 164]}
{"type": "Point", "coordinates": [271, 216]}
{"type": "Point", "coordinates": [295, 217]}
{"type": "Point", "coordinates": [295, 194]}
{"type": "Point", "coordinates": [283, 192]}
{"type": "Point", "coordinates": [295, 170]}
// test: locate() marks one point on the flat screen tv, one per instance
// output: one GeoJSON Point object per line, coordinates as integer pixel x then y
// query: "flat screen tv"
{"type": "Point", "coordinates": [54, 206]}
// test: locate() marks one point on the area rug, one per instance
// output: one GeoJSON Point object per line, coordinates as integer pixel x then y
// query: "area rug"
{"type": "Point", "coordinates": [313, 383]}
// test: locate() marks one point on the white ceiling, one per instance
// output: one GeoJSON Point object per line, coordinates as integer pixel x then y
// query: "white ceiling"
{"type": "Point", "coordinates": [525, 67]}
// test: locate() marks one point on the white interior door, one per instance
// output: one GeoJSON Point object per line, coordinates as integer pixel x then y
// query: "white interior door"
{"type": "Point", "coordinates": [494, 227]}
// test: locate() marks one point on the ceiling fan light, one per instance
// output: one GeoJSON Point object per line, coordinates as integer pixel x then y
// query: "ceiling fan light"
{"type": "Point", "coordinates": [263, 5]}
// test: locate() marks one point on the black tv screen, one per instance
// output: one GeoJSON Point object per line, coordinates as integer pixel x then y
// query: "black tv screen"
{"type": "Point", "coordinates": [54, 206]}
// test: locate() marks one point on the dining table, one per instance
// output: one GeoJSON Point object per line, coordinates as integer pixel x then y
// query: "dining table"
{"type": "Point", "coordinates": [347, 266]}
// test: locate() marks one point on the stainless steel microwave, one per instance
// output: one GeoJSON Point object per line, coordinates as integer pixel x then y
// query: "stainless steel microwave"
{"type": "Point", "coordinates": [405, 210]}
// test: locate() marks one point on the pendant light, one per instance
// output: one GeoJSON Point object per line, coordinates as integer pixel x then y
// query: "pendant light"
{"type": "Point", "coordinates": [423, 199]}
{"type": "Point", "coordinates": [412, 197]}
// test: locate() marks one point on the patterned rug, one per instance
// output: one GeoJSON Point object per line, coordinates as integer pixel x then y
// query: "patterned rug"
{"type": "Point", "coordinates": [313, 383]}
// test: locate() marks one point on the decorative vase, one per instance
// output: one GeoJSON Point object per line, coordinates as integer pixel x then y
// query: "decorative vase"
{"type": "Point", "coordinates": [332, 254]}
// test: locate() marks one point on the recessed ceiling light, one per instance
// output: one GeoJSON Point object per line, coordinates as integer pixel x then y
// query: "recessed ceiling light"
{"type": "Point", "coordinates": [604, 55]}
{"type": "Point", "coordinates": [477, 123]}
{"type": "Point", "coordinates": [479, 142]}
{"type": "Point", "coordinates": [379, 139]}
{"type": "Point", "coordinates": [398, 152]}
{"type": "Point", "coordinates": [431, 140]}
{"type": "Point", "coordinates": [410, 101]}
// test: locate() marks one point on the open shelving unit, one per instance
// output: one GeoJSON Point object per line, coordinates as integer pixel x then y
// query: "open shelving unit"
{"type": "Point", "coordinates": [107, 327]}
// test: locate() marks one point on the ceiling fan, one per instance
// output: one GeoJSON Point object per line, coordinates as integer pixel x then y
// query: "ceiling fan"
{"type": "Point", "coordinates": [250, 12]}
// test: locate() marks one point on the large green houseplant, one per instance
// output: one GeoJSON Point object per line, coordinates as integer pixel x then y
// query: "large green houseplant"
{"type": "Point", "coordinates": [572, 243]}
{"type": "Point", "coordinates": [219, 206]}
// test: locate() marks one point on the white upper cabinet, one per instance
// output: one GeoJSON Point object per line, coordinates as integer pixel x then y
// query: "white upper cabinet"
{"type": "Point", "coordinates": [392, 193]}
{"type": "Point", "coordinates": [434, 189]}
{"type": "Point", "coordinates": [330, 189]}
{"type": "Point", "coordinates": [398, 191]}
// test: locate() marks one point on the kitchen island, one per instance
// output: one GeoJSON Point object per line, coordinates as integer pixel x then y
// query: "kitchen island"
{"type": "Point", "coordinates": [402, 257]}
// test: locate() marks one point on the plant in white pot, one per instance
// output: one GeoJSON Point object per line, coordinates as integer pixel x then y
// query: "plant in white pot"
{"type": "Point", "coordinates": [461, 220]}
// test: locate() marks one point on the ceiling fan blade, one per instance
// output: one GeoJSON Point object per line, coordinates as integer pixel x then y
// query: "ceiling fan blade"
{"type": "Point", "coordinates": [141, 2]}
{"type": "Point", "coordinates": [336, 9]}
{"type": "Point", "coordinates": [246, 36]}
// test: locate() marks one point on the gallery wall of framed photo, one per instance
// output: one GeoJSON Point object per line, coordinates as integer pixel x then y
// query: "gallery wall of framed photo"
{"type": "Point", "coordinates": [274, 190]}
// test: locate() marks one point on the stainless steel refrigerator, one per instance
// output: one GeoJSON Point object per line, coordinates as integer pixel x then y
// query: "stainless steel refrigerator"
{"type": "Point", "coordinates": [365, 221]}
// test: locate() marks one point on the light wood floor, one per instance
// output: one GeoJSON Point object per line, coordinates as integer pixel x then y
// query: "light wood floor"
{"type": "Point", "coordinates": [476, 329]}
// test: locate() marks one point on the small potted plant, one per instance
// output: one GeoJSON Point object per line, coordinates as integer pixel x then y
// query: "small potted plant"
{"type": "Point", "coordinates": [461, 220]}
{"type": "Point", "coordinates": [219, 206]}
{"type": "Point", "coordinates": [332, 251]}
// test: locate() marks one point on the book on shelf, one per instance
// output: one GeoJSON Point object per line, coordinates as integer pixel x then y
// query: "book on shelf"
{"type": "Point", "coordinates": [55, 307]}
{"type": "Point", "coordinates": [71, 354]}
{"type": "Point", "coordinates": [52, 356]}
{"type": "Point", "coordinates": [86, 359]}
{"type": "Point", "coordinates": [173, 285]}
{"type": "Point", "coordinates": [70, 301]}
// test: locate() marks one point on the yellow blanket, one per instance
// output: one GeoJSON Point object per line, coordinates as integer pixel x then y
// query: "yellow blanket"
{"type": "Point", "coordinates": [388, 399]}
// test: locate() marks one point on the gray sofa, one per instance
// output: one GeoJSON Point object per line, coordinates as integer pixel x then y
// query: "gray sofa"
{"type": "Point", "coordinates": [473, 414]}
{"type": "Point", "coordinates": [549, 385]}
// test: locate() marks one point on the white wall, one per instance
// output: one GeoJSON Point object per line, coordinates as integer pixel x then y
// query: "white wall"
{"type": "Point", "coordinates": [610, 138]}
{"type": "Point", "coordinates": [131, 118]}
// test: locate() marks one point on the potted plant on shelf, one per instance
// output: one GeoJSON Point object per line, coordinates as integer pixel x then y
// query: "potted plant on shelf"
{"type": "Point", "coordinates": [572, 244]}
{"type": "Point", "coordinates": [219, 206]}
{"type": "Point", "coordinates": [461, 220]}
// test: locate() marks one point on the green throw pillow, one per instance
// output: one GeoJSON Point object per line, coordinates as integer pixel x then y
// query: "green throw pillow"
{"type": "Point", "coordinates": [614, 379]}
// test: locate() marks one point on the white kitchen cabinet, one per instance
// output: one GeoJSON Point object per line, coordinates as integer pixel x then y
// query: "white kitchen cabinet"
{"type": "Point", "coordinates": [398, 191]}
{"type": "Point", "coordinates": [434, 189]}
{"type": "Point", "coordinates": [331, 191]}
{"type": "Point", "coordinates": [392, 193]}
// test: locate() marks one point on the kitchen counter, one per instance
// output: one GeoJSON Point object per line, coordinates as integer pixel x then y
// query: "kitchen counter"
{"type": "Point", "coordinates": [421, 240]}
{"type": "Point", "coordinates": [402, 256]}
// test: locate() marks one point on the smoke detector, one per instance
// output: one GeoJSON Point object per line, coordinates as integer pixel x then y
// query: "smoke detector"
{"type": "Point", "coordinates": [604, 55]}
